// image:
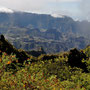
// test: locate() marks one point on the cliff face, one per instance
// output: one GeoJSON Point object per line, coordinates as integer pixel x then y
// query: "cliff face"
{"type": "Point", "coordinates": [44, 21]}
{"type": "Point", "coordinates": [30, 31]}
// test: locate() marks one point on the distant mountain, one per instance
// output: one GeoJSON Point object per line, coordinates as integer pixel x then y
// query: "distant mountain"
{"type": "Point", "coordinates": [43, 21]}
{"type": "Point", "coordinates": [22, 19]}
{"type": "Point", "coordinates": [53, 32]}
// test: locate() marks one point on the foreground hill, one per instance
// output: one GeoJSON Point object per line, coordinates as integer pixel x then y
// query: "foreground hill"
{"type": "Point", "coordinates": [66, 70]}
{"type": "Point", "coordinates": [30, 31]}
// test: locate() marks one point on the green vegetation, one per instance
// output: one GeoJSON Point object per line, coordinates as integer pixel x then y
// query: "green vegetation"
{"type": "Point", "coordinates": [46, 72]}
{"type": "Point", "coordinates": [63, 71]}
{"type": "Point", "coordinates": [36, 70]}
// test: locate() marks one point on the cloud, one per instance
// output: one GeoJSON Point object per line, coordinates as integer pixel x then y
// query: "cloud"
{"type": "Point", "coordinates": [64, 0]}
{"type": "Point", "coordinates": [85, 9]}
{"type": "Point", "coordinates": [40, 6]}
{"type": "Point", "coordinates": [30, 4]}
{"type": "Point", "coordinates": [23, 5]}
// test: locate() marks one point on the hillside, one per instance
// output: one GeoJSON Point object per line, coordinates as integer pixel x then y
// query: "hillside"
{"type": "Point", "coordinates": [66, 70]}
{"type": "Point", "coordinates": [44, 21]}
{"type": "Point", "coordinates": [31, 31]}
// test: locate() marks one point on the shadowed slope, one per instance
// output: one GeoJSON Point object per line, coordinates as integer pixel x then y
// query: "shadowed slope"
{"type": "Point", "coordinates": [5, 46]}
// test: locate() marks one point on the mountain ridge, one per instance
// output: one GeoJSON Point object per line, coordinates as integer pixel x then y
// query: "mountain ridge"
{"type": "Point", "coordinates": [30, 31]}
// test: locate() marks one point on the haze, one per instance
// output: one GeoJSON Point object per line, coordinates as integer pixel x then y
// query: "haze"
{"type": "Point", "coordinates": [77, 9]}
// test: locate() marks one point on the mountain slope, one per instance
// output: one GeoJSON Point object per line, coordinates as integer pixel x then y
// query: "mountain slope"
{"type": "Point", "coordinates": [30, 31]}
{"type": "Point", "coordinates": [44, 21]}
{"type": "Point", "coordinates": [67, 70]}
{"type": "Point", "coordinates": [6, 47]}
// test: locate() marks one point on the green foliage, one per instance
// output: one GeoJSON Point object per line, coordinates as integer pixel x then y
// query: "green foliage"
{"type": "Point", "coordinates": [42, 73]}
{"type": "Point", "coordinates": [87, 51]}
{"type": "Point", "coordinates": [88, 64]}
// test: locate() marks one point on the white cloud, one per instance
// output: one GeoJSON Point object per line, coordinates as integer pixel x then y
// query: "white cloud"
{"type": "Point", "coordinates": [30, 4]}
{"type": "Point", "coordinates": [85, 9]}
{"type": "Point", "coordinates": [64, 0]}
{"type": "Point", "coordinates": [40, 6]}
{"type": "Point", "coordinates": [7, 10]}
{"type": "Point", "coordinates": [23, 4]}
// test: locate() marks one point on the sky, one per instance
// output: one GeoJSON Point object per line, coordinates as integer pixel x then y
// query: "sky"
{"type": "Point", "coordinates": [77, 9]}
